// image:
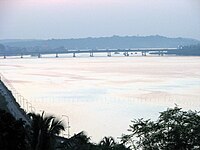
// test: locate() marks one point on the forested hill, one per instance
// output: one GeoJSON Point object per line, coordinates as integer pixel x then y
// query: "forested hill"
{"type": "Point", "coordinates": [2, 47]}
{"type": "Point", "coordinates": [104, 42]}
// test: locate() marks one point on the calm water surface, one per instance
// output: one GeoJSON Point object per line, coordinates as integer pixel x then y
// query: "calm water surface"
{"type": "Point", "coordinates": [101, 95]}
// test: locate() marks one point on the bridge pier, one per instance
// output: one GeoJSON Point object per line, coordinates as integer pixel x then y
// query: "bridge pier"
{"type": "Point", "coordinates": [161, 53]}
{"type": "Point", "coordinates": [74, 54]}
{"type": "Point", "coordinates": [126, 54]}
{"type": "Point", "coordinates": [109, 54]}
{"type": "Point", "coordinates": [91, 54]}
{"type": "Point", "coordinates": [144, 53]}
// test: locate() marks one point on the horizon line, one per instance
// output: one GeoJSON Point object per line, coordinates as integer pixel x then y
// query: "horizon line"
{"type": "Point", "coordinates": [96, 37]}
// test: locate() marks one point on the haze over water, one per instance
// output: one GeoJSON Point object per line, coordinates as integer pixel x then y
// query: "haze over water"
{"type": "Point", "coordinates": [101, 95]}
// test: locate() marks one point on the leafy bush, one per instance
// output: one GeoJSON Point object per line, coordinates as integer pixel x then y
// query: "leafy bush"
{"type": "Point", "coordinates": [175, 129]}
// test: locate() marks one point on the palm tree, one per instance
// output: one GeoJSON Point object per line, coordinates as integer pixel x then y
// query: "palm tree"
{"type": "Point", "coordinates": [44, 131]}
{"type": "Point", "coordinates": [79, 141]}
{"type": "Point", "coordinates": [107, 143]}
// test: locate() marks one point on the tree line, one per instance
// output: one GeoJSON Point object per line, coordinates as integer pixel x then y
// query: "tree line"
{"type": "Point", "coordinates": [174, 129]}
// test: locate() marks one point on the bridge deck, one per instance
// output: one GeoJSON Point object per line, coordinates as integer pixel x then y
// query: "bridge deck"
{"type": "Point", "coordinates": [146, 50]}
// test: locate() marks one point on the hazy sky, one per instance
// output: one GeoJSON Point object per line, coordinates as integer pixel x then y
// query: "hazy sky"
{"type": "Point", "coordinates": [45, 19]}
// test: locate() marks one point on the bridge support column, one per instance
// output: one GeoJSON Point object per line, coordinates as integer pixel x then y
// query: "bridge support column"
{"type": "Point", "coordinates": [74, 54]}
{"type": "Point", "coordinates": [109, 54]}
{"type": "Point", "coordinates": [144, 54]}
{"type": "Point", "coordinates": [56, 55]}
{"type": "Point", "coordinates": [126, 54]}
{"type": "Point", "coordinates": [160, 53]}
{"type": "Point", "coordinates": [91, 54]}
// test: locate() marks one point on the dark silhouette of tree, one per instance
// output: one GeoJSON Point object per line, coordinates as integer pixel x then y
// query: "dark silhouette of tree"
{"type": "Point", "coordinates": [107, 143]}
{"type": "Point", "coordinates": [44, 129]}
{"type": "Point", "coordinates": [175, 129]}
{"type": "Point", "coordinates": [121, 147]}
{"type": "Point", "coordinates": [12, 133]}
{"type": "Point", "coordinates": [79, 141]}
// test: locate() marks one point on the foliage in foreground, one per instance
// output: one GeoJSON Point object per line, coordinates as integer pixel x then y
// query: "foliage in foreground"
{"type": "Point", "coordinates": [175, 129]}
{"type": "Point", "coordinates": [81, 141]}
{"type": "Point", "coordinates": [12, 133]}
{"type": "Point", "coordinates": [43, 131]}
{"type": "Point", "coordinates": [43, 135]}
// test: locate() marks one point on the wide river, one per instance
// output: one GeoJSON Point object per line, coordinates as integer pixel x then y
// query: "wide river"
{"type": "Point", "coordinates": [101, 95]}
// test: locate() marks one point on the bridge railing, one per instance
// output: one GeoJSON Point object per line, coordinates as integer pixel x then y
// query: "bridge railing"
{"type": "Point", "coordinates": [21, 100]}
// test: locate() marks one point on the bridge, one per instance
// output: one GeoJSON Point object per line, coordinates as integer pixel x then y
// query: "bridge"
{"type": "Point", "coordinates": [91, 52]}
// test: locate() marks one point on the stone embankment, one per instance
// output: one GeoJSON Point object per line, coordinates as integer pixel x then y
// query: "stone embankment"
{"type": "Point", "coordinates": [12, 106]}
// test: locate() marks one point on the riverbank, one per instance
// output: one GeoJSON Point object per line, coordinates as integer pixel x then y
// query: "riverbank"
{"type": "Point", "coordinates": [9, 103]}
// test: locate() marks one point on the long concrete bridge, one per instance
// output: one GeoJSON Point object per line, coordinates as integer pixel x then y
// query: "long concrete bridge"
{"type": "Point", "coordinates": [91, 52]}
